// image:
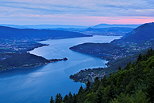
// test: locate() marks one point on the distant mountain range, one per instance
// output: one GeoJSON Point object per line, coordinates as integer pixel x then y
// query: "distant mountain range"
{"type": "Point", "coordinates": [116, 25]}
{"type": "Point", "coordinates": [100, 29]}
{"type": "Point", "coordinates": [47, 26]}
{"type": "Point", "coordinates": [44, 26]}
{"type": "Point", "coordinates": [36, 34]}
{"type": "Point", "coordinates": [111, 31]}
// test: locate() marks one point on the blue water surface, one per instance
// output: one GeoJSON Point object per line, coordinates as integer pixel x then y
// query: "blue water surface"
{"type": "Point", "coordinates": [36, 85]}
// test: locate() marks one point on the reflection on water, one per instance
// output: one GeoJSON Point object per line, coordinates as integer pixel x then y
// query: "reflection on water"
{"type": "Point", "coordinates": [36, 85]}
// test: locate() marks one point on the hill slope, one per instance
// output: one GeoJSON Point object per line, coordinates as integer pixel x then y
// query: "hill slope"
{"type": "Point", "coordinates": [143, 33]}
{"type": "Point", "coordinates": [134, 84]}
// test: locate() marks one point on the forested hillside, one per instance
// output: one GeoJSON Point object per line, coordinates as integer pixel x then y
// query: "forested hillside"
{"type": "Point", "coordinates": [133, 84]}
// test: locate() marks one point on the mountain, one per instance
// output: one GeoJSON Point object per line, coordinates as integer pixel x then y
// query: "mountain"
{"type": "Point", "coordinates": [44, 26]}
{"type": "Point", "coordinates": [101, 29]}
{"type": "Point", "coordinates": [111, 31]}
{"type": "Point", "coordinates": [139, 40]}
{"type": "Point", "coordinates": [36, 34]}
{"type": "Point", "coordinates": [115, 25]}
{"type": "Point", "coordinates": [142, 33]}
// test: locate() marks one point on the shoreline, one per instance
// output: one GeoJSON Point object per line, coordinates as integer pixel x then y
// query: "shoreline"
{"type": "Point", "coordinates": [38, 44]}
{"type": "Point", "coordinates": [32, 67]}
{"type": "Point", "coordinates": [45, 61]}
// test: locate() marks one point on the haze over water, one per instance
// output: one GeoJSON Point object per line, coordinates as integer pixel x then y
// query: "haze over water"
{"type": "Point", "coordinates": [36, 85]}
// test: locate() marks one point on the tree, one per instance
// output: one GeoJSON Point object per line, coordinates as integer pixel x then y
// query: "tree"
{"type": "Point", "coordinates": [66, 99]}
{"type": "Point", "coordinates": [150, 52]}
{"type": "Point", "coordinates": [140, 97]}
{"type": "Point", "coordinates": [81, 90]}
{"type": "Point", "coordinates": [99, 96]}
{"type": "Point", "coordinates": [88, 85]}
{"type": "Point", "coordinates": [52, 100]}
{"type": "Point", "coordinates": [139, 57]}
{"type": "Point", "coordinates": [122, 98]}
{"type": "Point", "coordinates": [74, 98]}
{"type": "Point", "coordinates": [91, 98]}
{"type": "Point", "coordinates": [119, 68]}
{"type": "Point", "coordinates": [96, 84]}
{"type": "Point", "coordinates": [59, 98]}
{"type": "Point", "coordinates": [70, 97]}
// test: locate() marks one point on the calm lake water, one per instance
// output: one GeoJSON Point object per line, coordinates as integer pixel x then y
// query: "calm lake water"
{"type": "Point", "coordinates": [36, 85]}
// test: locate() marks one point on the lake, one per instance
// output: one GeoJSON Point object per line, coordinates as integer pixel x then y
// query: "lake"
{"type": "Point", "coordinates": [36, 85]}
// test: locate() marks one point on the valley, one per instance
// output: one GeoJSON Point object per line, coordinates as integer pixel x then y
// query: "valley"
{"type": "Point", "coordinates": [82, 58]}
{"type": "Point", "coordinates": [83, 51]}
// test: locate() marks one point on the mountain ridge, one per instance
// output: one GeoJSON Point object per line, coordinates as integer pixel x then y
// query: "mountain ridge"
{"type": "Point", "coordinates": [15, 33]}
{"type": "Point", "coordinates": [116, 25]}
{"type": "Point", "coordinates": [142, 33]}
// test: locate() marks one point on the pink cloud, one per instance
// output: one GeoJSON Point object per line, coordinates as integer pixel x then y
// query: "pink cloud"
{"type": "Point", "coordinates": [68, 19]}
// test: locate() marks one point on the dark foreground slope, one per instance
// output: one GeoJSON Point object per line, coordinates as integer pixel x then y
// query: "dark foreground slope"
{"type": "Point", "coordinates": [133, 84]}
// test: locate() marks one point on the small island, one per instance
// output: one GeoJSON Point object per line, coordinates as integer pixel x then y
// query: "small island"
{"type": "Point", "coordinates": [55, 60]}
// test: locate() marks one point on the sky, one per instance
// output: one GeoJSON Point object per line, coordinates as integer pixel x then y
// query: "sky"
{"type": "Point", "coordinates": [76, 12]}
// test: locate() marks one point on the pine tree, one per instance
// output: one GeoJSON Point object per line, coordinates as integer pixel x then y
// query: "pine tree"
{"type": "Point", "coordinates": [81, 90]}
{"type": "Point", "coordinates": [70, 97]}
{"type": "Point", "coordinates": [52, 100]}
{"type": "Point", "coordinates": [119, 68]}
{"type": "Point", "coordinates": [59, 98]}
{"type": "Point", "coordinates": [66, 99]}
{"type": "Point", "coordinates": [140, 97]}
{"type": "Point", "coordinates": [96, 84]}
{"type": "Point", "coordinates": [99, 96]}
{"type": "Point", "coordinates": [139, 57]}
{"type": "Point", "coordinates": [88, 85]}
{"type": "Point", "coordinates": [74, 98]}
